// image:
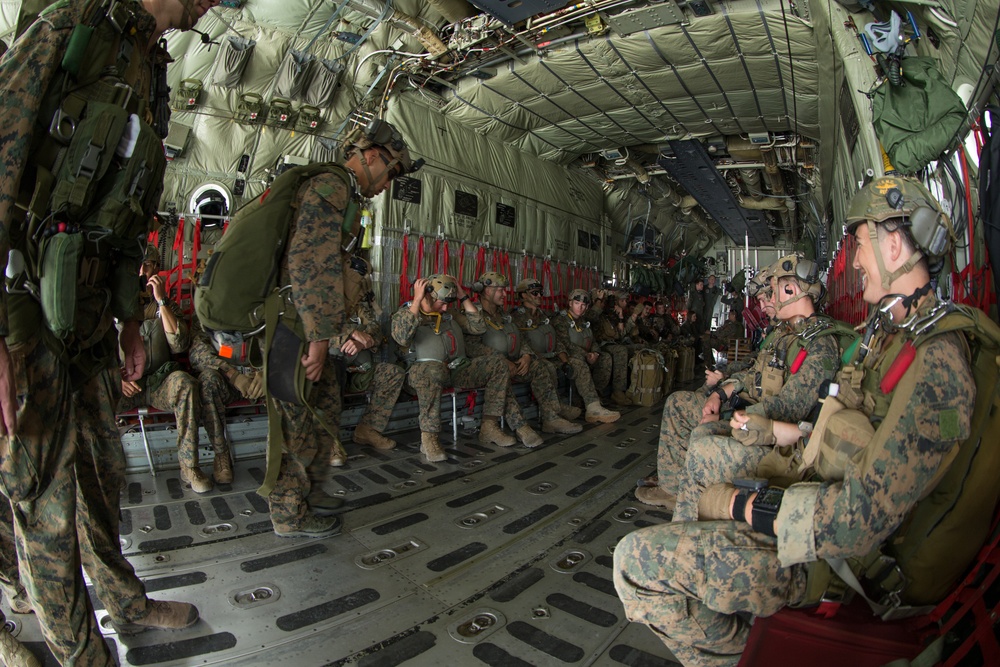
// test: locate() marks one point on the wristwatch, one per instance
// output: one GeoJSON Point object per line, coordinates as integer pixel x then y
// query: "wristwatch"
{"type": "Point", "coordinates": [722, 394]}
{"type": "Point", "coordinates": [765, 510]}
{"type": "Point", "coordinates": [464, 298]}
{"type": "Point", "coordinates": [161, 302]}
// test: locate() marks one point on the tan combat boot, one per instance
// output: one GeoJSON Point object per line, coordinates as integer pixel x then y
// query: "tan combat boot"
{"type": "Point", "coordinates": [656, 496]}
{"type": "Point", "coordinates": [528, 436]}
{"type": "Point", "coordinates": [598, 414]}
{"type": "Point", "coordinates": [13, 653]}
{"type": "Point", "coordinates": [366, 435]}
{"type": "Point", "coordinates": [430, 447]}
{"type": "Point", "coordinates": [222, 469]}
{"type": "Point", "coordinates": [560, 425]}
{"type": "Point", "coordinates": [490, 433]}
{"type": "Point", "coordinates": [620, 398]}
{"type": "Point", "coordinates": [195, 478]}
{"type": "Point", "coordinates": [162, 615]}
{"type": "Point", "coordinates": [569, 412]}
{"type": "Point", "coordinates": [338, 457]}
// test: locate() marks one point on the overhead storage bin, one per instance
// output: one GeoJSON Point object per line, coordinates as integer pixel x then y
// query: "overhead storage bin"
{"type": "Point", "coordinates": [324, 79]}
{"type": "Point", "coordinates": [292, 77]}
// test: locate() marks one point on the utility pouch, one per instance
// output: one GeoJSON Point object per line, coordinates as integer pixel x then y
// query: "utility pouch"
{"type": "Point", "coordinates": [251, 108]}
{"type": "Point", "coordinates": [771, 381]}
{"type": "Point", "coordinates": [281, 113]}
{"type": "Point", "coordinates": [291, 78]}
{"type": "Point", "coordinates": [125, 284]}
{"type": "Point", "coordinates": [59, 269]}
{"type": "Point", "coordinates": [88, 157]}
{"type": "Point", "coordinates": [186, 95]}
{"type": "Point", "coordinates": [309, 119]}
{"type": "Point", "coordinates": [135, 188]}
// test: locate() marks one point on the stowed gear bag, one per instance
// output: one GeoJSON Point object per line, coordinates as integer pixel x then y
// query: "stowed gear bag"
{"type": "Point", "coordinates": [647, 378]}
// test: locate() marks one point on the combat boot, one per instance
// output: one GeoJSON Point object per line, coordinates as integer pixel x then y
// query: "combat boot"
{"type": "Point", "coordinates": [195, 478]}
{"type": "Point", "coordinates": [656, 496]}
{"type": "Point", "coordinates": [20, 605]}
{"type": "Point", "coordinates": [312, 525]}
{"type": "Point", "coordinates": [222, 469]}
{"type": "Point", "coordinates": [322, 503]}
{"type": "Point", "coordinates": [569, 412]}
{"type": "Point", "coordinates": [528, 436]}
{"type": "Point", "coordinates": [430, 447]}
{"type": "Point", "coordinates": [366, 435]}
{"type": "Point", "coordinates": [598, 414]}
{"type": "Point", "coordinates": [490, 433]}
{"type": "Point", "coordinates": [560, 425]}
{"type": "Point", "coordinates": [338, 457]}
{"type": "Point", "coordinates": [620, 398]}
{"type": "Point", "coordinates": [161, 615]}
{"type": "Point", "coordinates": [13, 653]}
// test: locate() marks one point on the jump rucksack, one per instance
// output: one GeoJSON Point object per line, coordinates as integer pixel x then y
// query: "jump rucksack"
{"type": "Point", "coordinates": [646, 387]}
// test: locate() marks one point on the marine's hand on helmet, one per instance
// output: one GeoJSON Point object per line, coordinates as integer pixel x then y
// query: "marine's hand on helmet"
{"type": "Point", "coordinates": [156, 286]}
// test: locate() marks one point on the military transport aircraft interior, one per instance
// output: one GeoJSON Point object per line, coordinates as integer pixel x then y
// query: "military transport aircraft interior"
{"type": "Point", "coordinates": [503, 333]}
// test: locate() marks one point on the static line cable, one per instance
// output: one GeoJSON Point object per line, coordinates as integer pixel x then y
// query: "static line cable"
{"type": "Point", "coordinates": [385, 12]}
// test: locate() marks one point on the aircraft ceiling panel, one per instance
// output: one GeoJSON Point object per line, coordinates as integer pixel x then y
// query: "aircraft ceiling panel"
{"type": "Point", "coordinates": [515, 12]}
{"type": "Point", "coordinates": [691, 166]}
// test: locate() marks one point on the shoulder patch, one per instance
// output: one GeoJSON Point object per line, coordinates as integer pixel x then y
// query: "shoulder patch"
{"type": "Point", "coordinates": [948, 424]}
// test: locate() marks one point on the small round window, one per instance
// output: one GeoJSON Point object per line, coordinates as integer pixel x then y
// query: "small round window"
{"type": "Point", "coordinates": [212, 203]}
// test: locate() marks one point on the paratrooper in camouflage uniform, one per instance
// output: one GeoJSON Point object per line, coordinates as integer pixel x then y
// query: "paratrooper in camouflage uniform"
{"type": "Point", "coordinates": [433, 343]}
{"type": "Point", "coordinates": [769, 387]}
{"type": "Point", "coordinates": [696, 583]}
{"type": "Point", "coordinates": [60, 415]}
{"type": "Point", "coordinates": [176, 391]}
{"type": "Point", "coordinates": [503, 337]}
{"type": "Point", "coordinates": [358, 344]}
{"type": "Point", "coordinates": [612, 333]}
{"type": "Point", "coordinates": [561, 347]}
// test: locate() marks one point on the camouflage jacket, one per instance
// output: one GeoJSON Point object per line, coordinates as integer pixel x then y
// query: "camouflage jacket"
{"type": "Point", "coordinates": [720, 337]}
{"type": "Point", "coordinates": [404, 324]}
{"type": "Point", "coordinates": [562, 322]}
{"type": "Point", "coordinates": [26, 72]}
{"type": "Point", "coordinates": [800, 390]}
{"type": "Point", "coordinates": [523, 320]}
{"type": "Point", "coordinates": [929, 414]}
{"type": "Point", "coordinates": [361, 313]}
{"type": "Point", "coordinates": [312, 263]}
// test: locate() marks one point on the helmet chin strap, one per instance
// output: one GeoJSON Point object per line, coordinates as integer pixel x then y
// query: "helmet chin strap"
{"type": "Point", "coordinates": [888, 278]}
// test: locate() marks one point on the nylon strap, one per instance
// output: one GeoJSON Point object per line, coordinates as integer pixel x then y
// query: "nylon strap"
{"type": "Point", "coordinates": [272, 306]}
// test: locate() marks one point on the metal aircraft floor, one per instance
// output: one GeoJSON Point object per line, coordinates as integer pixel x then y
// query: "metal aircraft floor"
{"type": "Point", "coordinates": [498, 557]}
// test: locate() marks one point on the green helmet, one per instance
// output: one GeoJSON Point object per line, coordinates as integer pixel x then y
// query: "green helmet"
{"type": "Point", "coordinates": [443, 287]}
{"type": "Point", "coordinates": [382, 133]}
{"type": "Point", "coordinates": [581, 295]}
{"type": "Point", "coordinates": [897, 197]}
{"type": "Point", "coordinates": [760, 284]}
{"type": "Point", "coordinates": [490, 279]}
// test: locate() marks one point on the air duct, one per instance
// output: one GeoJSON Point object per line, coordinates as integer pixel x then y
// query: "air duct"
{"type": "Point", "coordinates": [452, 10]}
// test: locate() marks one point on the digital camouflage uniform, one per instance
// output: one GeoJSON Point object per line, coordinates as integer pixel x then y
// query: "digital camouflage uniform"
{"type": "Point", "coordinates": [796, 398]}
{"type": "Point", "coordinates": [719, 339]}
{"type": "Point", "coordinates": [607, 336]}
{"type": "Point", "coordinates": [180, 393]}
{"type": "Point", "coordinates": [693, 583]}
{"type": "Point", "coordinates": [217, 391]}
{"type": "Point", "coordinates": [589, 379]}
{"type": "Point", "coordinates": [386, 380]}
{"type": "Point", "coordinates": [428, 378]}
{"type": "Point", "coordinates": [10, 580]}
{"type": "Point", "coordinates": [312, 266]}
{"type": "Point", "coordinates": [541, 375]}
{"type": "Point", "coordinates": [68, 508]}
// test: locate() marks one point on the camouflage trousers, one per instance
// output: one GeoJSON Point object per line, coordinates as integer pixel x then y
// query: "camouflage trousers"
{"type": "Point", "coordinates": [10, 580]}
{"type": "Point", "coordinates": [216, 394]}
{"type": "Point", "coordinates": [584, 379]}
{"type": "Point", "coordinates": [428, 378]}
{"type": "Point", "coordinates": [181, 394]}
{"type": "Point", "coordinates": [305, 450]}
{"type": "Point", "coordinates": [681, 414]}
{"type": "Point", "coordinates": [64, 478]}
{"type": "Point", "coordinates": [696, 585]}
{"type": "Point", "coordinates": [712, 458]}
{"type": "Point", "coordinates": [385, 387]}
{"type": "Point", "coordinates": [619, 367]}
{"type": "Point", "coordinates": [541, 376]}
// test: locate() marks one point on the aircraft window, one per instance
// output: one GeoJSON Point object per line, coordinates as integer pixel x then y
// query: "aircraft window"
{"type": "Point", "coordinates": [211, 202]}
